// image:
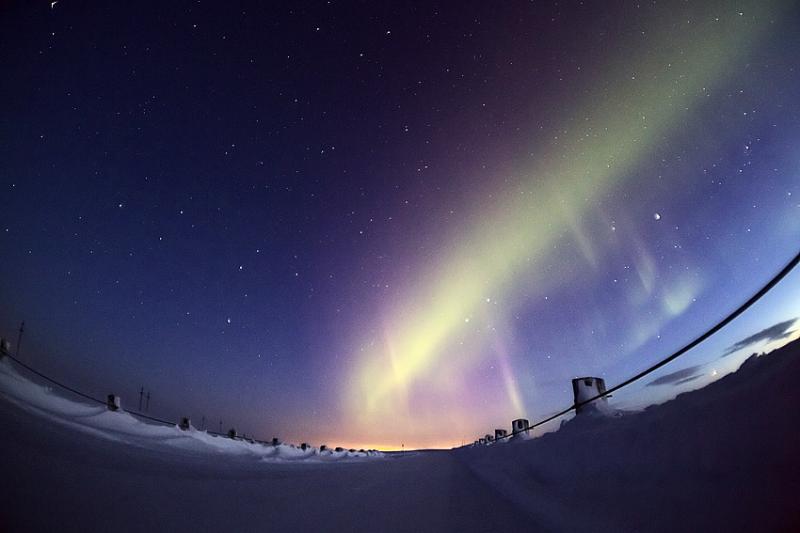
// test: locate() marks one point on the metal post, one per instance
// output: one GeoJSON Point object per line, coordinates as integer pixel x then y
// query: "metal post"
{"type": "Point", "coordinates": [147, 402]}
{"type": "Point", "coordinates": [141, 393]}
{"type": "Point", "coordinates": [19, 338]}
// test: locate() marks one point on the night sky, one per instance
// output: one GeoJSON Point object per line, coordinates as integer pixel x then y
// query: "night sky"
{"type": "Point", "coordinates": [374, 224]}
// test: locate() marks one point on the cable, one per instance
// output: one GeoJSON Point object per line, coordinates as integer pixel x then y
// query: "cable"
{"type": "Point", "coordinates": [92, 398]}
{"type": "Point", "coordinates": [51, 380]}
{"type": "Point", "coordinates": [721, 324]}
{"type": "Point", "coordinates": [148, 417]}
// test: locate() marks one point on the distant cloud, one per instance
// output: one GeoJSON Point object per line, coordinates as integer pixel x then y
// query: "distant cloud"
{"type": "Point", "coordinates": [772, 333]}
{"type": "Point", "coordinates": [687, 380]}
{"type": "Point", "coordinates": [677, 378]}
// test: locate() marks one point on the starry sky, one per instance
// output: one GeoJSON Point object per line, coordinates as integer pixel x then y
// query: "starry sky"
{"type": "Point", "coordinates": [383, 224]}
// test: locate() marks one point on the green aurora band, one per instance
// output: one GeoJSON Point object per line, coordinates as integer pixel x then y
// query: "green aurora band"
{"type": "Point", "coordinates": [640, 103]}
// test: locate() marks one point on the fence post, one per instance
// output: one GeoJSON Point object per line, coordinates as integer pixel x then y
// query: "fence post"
{"type": "Point", "coordinates": [585, 388]}
{"type": "Point", "coordinates": [113, 402]}
{"type": "Point", "coordinates": [19, 337]}
{"type": "Point", "coordinates": [519, 426]}
{"type": "Point", "coordinates": [5, 347]}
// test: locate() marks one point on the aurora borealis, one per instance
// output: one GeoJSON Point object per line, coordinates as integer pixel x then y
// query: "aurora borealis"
{"type": "Point", "coordinates": [376, 225]}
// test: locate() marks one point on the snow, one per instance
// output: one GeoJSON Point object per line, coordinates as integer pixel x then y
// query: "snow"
{"type": "Point", "coordinates": [125, 428]}
{"type": "Point", "coordinates": [723, 457]}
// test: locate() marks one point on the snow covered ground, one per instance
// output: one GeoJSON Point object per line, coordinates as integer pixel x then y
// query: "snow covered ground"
{"type": "Point", "coordinates": [724, 457]}
{"type": "Point", "coordinates": [124, 428]}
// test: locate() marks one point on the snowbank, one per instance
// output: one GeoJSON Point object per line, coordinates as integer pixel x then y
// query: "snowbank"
{"type": "Point", "coordinates": [721, 458]}
{"type": "Point", "coordinates": [122, 427]}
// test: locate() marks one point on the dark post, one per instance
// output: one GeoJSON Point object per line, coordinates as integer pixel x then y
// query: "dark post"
{"type": "Point", "coordinates": [141, 393]}
{"type": "Point", "coordinates": [585, 388]}
{"type": "Point", "coordinates": [113, 402]}
{"type": "Point", "coordinates": [147, 402]}
{"type": "Point", "coordinates": [19, 338]}
{"type": "Point", "coordinates": [520, 425]}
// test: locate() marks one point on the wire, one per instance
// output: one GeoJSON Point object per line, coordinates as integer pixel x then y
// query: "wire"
{"type": "Point", "coordinates": [98, 400]}
{"type": "Point", "coordinates": [721, 324]}
{"type": "Point", "coordinates": [53, 381]}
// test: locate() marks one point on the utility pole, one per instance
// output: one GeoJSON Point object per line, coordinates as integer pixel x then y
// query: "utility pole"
{"type": "Point", "coordinates": [147, 402]}
{"type": "Point", "coordinates": [19, 338]}
{"type": "Point", "coordinates": [141, 393]}
{"type": "Point", "coordinates": [203, 423]}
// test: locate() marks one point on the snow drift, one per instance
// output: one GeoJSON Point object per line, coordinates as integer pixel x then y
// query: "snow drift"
{"type": "Point", "coordinates": [124, 428]}
{"type": "Point", "coordinates": [721, 458]}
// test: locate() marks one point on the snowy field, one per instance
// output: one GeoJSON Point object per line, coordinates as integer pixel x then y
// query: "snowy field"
{"type": "Point", "coordinates": [723, 458]}
{"type": "Point", "coordinates": [124, 428]}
